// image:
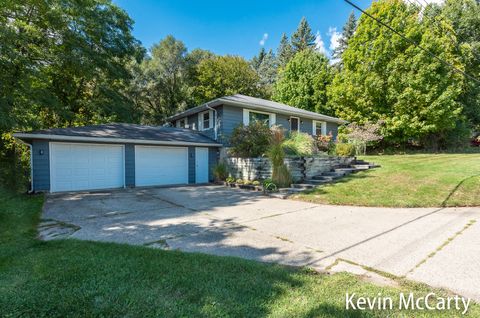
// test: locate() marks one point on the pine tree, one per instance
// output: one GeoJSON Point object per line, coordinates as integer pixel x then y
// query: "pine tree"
{"type": "Point", "coordinates": [347, 33]}
{"type": "Point", "coordinates": [303, 38]}
{"type": "Point", "coordinates": [267, 72]}
{"type": "Point", "coordinates": [258, 59]}
{"type": "Point", "coordinates": [284, 52]}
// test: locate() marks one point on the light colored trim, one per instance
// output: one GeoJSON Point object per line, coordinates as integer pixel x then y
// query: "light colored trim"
{"type": "Point", "coordinates": [323, 128]}
{"type": "Point", "coordinates": [272, 118]}
{"type": "Point", "coordinates": [210, 120]}
{"type": "Point", "coordinates": [185, 124]}
{"type": "Point", "coordinates": [298, 123]}
{"type": "Point", "coordinates": [83, 143]}
{"type": "Point", "coordinates": [113, 140]}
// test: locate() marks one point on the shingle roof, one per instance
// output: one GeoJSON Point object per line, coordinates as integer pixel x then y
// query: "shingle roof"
{"type": "Point", "coordinates": [259, 103]}
{"type": "Point", "coordinates": [123, 132]}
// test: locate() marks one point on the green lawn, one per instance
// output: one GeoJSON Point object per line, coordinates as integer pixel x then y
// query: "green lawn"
{"type": "Point", "coordinates": [421, 180]}
{"type": "Point", "coordinates": [77, 278]}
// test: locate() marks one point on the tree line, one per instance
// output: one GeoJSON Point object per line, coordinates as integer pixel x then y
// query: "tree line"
{"type": "Point", "coordinates": [70, 62]}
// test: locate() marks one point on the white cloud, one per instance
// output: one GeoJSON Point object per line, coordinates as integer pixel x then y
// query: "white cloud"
{"type": "Point", "coordinates": [264, 39]}
{"type": "Point", "coordinates": [319, 44]}
{"type": "Point", "coordinates": [334, 38]}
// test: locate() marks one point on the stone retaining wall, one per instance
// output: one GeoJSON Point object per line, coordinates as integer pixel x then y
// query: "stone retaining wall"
{"type": "Point", "coordinates": [300, 167]}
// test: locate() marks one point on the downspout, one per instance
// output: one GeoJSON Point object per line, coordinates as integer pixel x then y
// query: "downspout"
{"type": "Point", "coordinates": [215, 122]}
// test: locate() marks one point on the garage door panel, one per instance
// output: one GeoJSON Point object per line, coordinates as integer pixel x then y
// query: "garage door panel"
{"type": "Point", "coordinates": [158, 165]}
{"type": "Point", "coordinates": [86, 166]}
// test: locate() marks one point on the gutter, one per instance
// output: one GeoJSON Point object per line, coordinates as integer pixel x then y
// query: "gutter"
{"type": "Point", "coordinates": [112, 140]}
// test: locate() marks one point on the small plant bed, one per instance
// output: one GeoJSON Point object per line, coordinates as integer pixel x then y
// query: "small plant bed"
{"type": "Point", "coordinates": [243, 184]}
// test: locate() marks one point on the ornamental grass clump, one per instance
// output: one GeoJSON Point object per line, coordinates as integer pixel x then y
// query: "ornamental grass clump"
{"type": "Point", "coordinates": [280, 174]}
{"type": "Point", "coordinates": [300, 144]}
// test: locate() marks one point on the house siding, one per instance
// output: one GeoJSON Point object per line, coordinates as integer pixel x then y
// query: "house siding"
{"type": "Point", "coordinates": [231, 117]}
{"type": "Point", "coordinates": [41, 165]}
{"type": "Point", "coordinates": [129, 165]}
{"type": "Point", "coordinates": [212, 161]}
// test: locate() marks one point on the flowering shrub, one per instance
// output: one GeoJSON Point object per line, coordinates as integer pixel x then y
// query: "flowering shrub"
{"type": "Point", "coordinates": [325, 142]}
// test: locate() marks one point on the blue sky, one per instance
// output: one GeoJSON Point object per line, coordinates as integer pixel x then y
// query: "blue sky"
{"type": "Point", "coordinates": [234, 27]}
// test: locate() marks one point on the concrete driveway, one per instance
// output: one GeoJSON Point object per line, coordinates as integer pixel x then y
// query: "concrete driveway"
{"type": "Point", "coordinates": [222, 221]}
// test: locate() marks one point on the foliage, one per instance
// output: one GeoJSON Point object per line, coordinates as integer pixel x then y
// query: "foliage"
{"type": "Point", "coordinates": [345, 149]}
{"type": "Point", "coordinates": [299, 144]}
{"type": "Point", "coordinates": [230, 179]}
{"type": "Point", "coordinates": [160, 81]}
{"type": "Point", "coordinates": [239, 181]}
{"type": "Point", "coordinates": [364, 135]}
{"type": "Point", "coordinates": [303, 38]}
{"type": "Point", "coordinates": [267, 73]}
{"type": "Point", "coordinates": [392, 80]}
{"type": "Point", "coordinates": [255, 182]}
{"type": "Point", "coordinates": [250, 141]}
{"type": "Point", "coordinates": [280, 174]}
{"type": "Point", "coordinates": [303, 82]}
{"type": "Point", "coordinates": [247, 182]}
{"type": "Point", "coordinates": [220, 171]}
{"type": "Point", "coordinates": [347, 33]}
{"type": "Point", "coordinates": [225, 75]}
{"type": "Point", "coordinates": [464, 16]}
{"type": "Point", "coordinates": [269, 186]}
{"type": "Point", "coordinates": [325, 143]}
{"type": "Point", "coordinates": [284, 51]}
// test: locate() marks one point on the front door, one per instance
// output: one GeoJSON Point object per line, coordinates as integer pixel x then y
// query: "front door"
{"type": "Point", "coordinates": [201, 165]}
{"type": "Point", "coordinates": [294, 124]}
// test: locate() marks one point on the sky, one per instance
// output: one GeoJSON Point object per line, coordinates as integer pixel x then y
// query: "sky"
{"type": "Point", "coordinates": [239, 27]}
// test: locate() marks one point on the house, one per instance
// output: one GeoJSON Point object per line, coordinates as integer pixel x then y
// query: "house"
{"type": "Point", "coordinates": [219, 117]}
{"type": "Point", "coordinates": [127, 155]}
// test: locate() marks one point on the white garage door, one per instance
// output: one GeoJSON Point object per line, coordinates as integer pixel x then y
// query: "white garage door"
{"type": "Point", "coordinates": [155, 165]}
{"type": "Point", "coordinates": [85, 166]}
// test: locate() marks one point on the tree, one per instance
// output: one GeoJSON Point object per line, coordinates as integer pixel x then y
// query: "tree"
{"type": "Point", "coordinates": [284, 52]}
{"type": "Point", "coordinates": [303, 38]}
{"type": "Point", "coordinates": [465, 18]}
{"type": "Point", "coordinates": [160, 81]}
{"type": "Point", "coordinates": [258, 59]}
{"type": "Point", "coordinates": [63, 63]}
{"type": "Point", "coordinates": [347, 33]}
{"type": "Point", "coordinates": [225, 75]}
{"type": "Point", "coordinates": [385, 77]}
{"type": "Point", "coordinates": [303, 82]}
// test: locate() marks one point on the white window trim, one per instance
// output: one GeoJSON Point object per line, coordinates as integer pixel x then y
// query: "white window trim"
{"type": "Point", "coordinates": [298, 123]}
{"type": "Point", "coordinates": [324, 127]}
{"type": "Point", "coordinates": [246, 117]}
{"type": "Point", "coordinates": [210, 120]}
{"type": "Point", "coordinates": [180, 120]}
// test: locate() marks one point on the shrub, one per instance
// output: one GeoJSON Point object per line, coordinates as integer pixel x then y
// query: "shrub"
{"type": "Point", "coordinates": [325, 143]}
{"type": "Point", "coordinates": [250, 141]}
{"type": "Point", "coordinates": [299, 144]}
{"type": "Point", "coordinates": [230, 179]}
{"type": "Point", "coordinates": [220, 171]}
{"type": "Point", "coordinates": [247, 182]}
{"type": "Point", "coordinates": [345, 150]}
{"type": "Point", "coordinates": [239, 181]}
{"type": "Point", "coordinates": [268, 185]}
{"type": "Point", "coordinates": [256, 183]}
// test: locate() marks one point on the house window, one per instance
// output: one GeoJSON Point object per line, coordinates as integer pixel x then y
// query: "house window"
{"type": "Point", "coordinates": [294, 124]}
{"type": "Point", "coordinates": [182, 123]}
{"type": "Point", "coordinates": [261, 117]}
{"type": "Point", "coordinates": [319, 128]}
{"type": "Point", "coordinates": [250, 116]}
{"type": "Point", "coordinates": [205, 120]}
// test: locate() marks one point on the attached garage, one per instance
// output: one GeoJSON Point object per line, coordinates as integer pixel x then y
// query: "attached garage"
{"type": "Point", "coordinates": [159, 165]}
{"type": "Point", "coordinates": [75, 166]}
{"type": "Point", "coordinates": [117, 156]}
